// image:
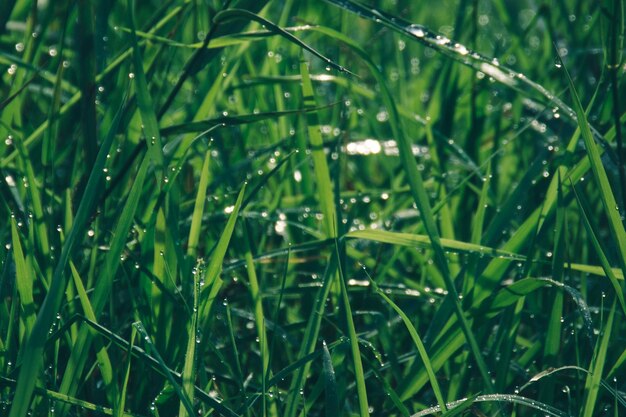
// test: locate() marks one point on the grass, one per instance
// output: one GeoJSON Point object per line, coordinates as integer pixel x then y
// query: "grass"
{"type": "Point", "coordinates": [302, 208]}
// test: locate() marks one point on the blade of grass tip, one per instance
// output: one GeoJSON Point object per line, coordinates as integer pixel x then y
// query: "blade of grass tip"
{"type": "Point", "coordinates": [198, 210]}
{"type": "Point", "coordinates": [121, 404]}
{"type": "Point", "coordinates": [151, 350]}
{"type": "Point", "coordinates": [320, 164]}
{"type": "Point", "coordinates": [213, 282]}
{"type": "Point", "coordinates": [611, 208]}
{"type": "Point", "coordinates": [595, 242]}
{"type": "Point", "coordinates": [193, 338]}
{"type": "Point", "coordinates": [354, 342]}
{"type": "Point", "coordinates": [33, 348]}
{"type": "Point", "coordinates": [330, 383]}
{"type": "Point", "coordinates": [421, 349]}
{"type": "Point", "coordinates": [23, 281]}
{"type": "Point", "coordinates": [144, 100]}
{"type": "Point", "coordinates": [592, 382]}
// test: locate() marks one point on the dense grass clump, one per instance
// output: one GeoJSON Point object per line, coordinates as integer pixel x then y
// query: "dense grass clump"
{"type": "Point", "coordinates": [307, 208]}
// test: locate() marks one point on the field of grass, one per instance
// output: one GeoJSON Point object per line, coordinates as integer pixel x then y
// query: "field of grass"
{"type": "Point", "coordinates": [312, 208]}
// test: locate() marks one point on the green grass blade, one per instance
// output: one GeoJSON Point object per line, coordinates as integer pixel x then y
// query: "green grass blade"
{"type": "Point", "coordinates": [33, 350]}
{"type": "Point", "coordinates": [354, 345]}
{"type": "Point", "coordinates": [322, 174]}
{"type": "Point", "coordinates": [198, 210]}
{"type": "Point", "coordinates": [243, 119]}
{"type": "Point", "coordinates": [309, 339]}
{"type": "Point", "coordinates": [102, 290]}
{"type": "Point", "coordinates": [193, 338]}
{"type": "Point", "coordinates": [417, 341]}
{"type": "Point", "coordinates": [226, 15]}
{"type": "Point", "coordinates": [144, 100]}
{"type": "Point", "coordinates": [416, 240]}
{"type": "Point", "coordinates": [121, 404]}
{"type": "Point", "coordinates": [23, 281]}
{"type": "Point", "coordinates": [71, 401]}
{"type": "Point", "coordinates": [611, 209]}
{"type": "Point", "coordinates": [330, 383]}
{"type": "Point", "coordinates": [592, 383]}
{"type": "Point", "coordinates": [213, 281]}
{"type": "Point", "coordinates": [545, 409]}
{"type": "Point", "coordinates": [104, 361]}
{"type": "Point", "coordinates": [604, 262]}
{"type": "Point", "coordinates": [151, 349]}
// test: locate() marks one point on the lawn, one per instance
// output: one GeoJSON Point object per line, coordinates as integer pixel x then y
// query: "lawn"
{"type": "Point", "coordinates": [270, 208]}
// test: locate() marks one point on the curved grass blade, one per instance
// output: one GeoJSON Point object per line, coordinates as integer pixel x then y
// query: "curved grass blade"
{"type": "Point", "coordinates": [416, 240]}
{"type": "Point", "coordinates": [418, 344]}
{"type": "Point", "coordinates": [231, 14]}
{"type": "Point", "coordinates": [463, 55]}
{"type": "Point", "coordinates": [218, 42]}
{"type": "Point", "coordinates": [611, 209]}
{"type": "Point", "coordinates": [234, 120]}
{"type": "Point", "coordinates": [620, 397]}
{"type": "Point", "coordinates": [592, 230]}
{"type": "Point", "coordinates": [546, 409]}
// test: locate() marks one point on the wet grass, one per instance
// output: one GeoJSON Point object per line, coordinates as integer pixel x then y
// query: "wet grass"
{"type": "Point", "coordinates": [303, 208]}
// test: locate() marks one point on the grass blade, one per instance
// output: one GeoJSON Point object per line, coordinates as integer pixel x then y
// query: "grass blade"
{"type": "Point", "coordinates": [330, 384]}
{"type": "Point", "coordinates": [418, 344]}
{"type": "Point", "coordinates": [611, 209]}
{"type": "Point", "coordinates": [33, 351]}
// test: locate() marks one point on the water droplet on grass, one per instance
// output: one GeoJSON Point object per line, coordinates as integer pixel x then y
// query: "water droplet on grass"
{"type": "Point", "coordinates": [417, 31]}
